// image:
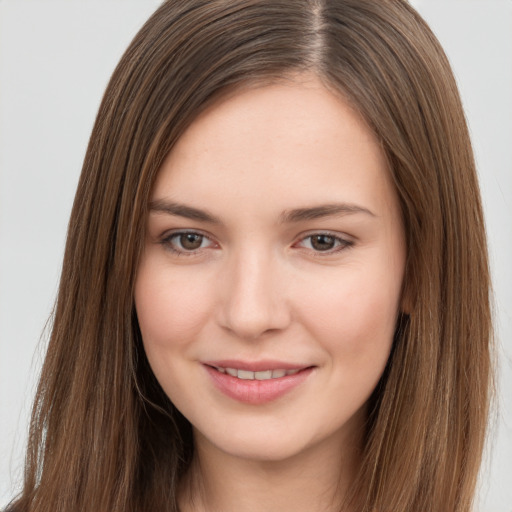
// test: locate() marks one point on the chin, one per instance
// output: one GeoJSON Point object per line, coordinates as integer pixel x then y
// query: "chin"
{"type": "Point", "coordinates": [280, 443]}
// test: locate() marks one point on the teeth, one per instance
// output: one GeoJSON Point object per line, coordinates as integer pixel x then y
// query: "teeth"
{"type": "Point", "coordinates": [262, 375]}
{"type": "Point", "coordinates": [245, 375]}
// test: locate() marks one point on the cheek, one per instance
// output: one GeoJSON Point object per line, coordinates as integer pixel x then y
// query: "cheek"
{"type": "Point", "coordinates": [169, 309]}
{"type": "Point", "coordinates": [353, 316]}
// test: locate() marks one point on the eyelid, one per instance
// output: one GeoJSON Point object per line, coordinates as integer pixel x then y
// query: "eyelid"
{"type": "Point", "coordinates": [345, 242]}
{"type": "Point", "coordinates": [165, 240]}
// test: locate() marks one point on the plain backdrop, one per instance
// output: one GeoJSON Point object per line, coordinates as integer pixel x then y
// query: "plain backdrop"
{"type": "Point", "coordinates": [55, 60]}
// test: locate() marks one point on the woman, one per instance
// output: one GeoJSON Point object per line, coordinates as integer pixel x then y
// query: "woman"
{"type": "Point", "coordinates": [275, 291]}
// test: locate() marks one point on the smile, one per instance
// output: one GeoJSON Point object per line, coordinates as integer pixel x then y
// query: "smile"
{"type": "Point", "coordinates": [256, 383]}
{"type": "Point", "coordinates": [260, 375]}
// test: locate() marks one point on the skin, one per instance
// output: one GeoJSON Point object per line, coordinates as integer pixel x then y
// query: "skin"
{"type": "Point", "coordinates": [259, 287]}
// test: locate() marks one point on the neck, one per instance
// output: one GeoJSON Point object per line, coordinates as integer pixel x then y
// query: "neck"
{"type": "Point", "coordinates": [316, 480]}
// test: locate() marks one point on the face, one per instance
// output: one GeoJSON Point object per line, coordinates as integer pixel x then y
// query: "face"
{"type": "Point", "coordinates": [269, 288]}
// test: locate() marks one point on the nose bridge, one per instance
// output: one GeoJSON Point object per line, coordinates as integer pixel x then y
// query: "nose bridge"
{"type": "Point", "coordinates": [254, 298]}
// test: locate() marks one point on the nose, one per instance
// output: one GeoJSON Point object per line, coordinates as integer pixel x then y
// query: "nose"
{"type": "Point", "coordinates": [254, 299]}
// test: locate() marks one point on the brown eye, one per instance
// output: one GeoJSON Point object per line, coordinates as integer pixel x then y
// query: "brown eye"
{"type": "Point", "coordinates": [186, 242]}
{"type": "Point", "coordinates": [190, 241]}
{"type": "Point", "coordinates": [323, 242]}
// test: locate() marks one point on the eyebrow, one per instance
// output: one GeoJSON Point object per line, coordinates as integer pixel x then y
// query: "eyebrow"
{"type": "Point", "coordinates": [182, 210]}
{"type": "Point", "coordinates": [287, 217]}
{"type": "Point", "coordinates": [325, 210]}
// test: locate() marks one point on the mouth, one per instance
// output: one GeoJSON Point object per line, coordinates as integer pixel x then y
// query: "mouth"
{"type": "Point", "coordinates": [256, 375]}
{"type": "Point", "coordinates": [257, 383]}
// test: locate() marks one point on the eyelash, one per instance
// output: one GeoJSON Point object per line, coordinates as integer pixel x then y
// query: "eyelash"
{"type": "Point", "coordinates": [340, 243]}
{"type": "Point", "coordinates": [168, 244]}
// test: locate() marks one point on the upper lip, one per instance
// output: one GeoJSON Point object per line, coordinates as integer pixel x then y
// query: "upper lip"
{"type": "Point", "coordinates": [256, 366]}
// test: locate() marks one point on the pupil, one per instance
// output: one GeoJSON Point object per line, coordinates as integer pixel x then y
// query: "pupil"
{"type": "Point", "coordinates": [190, 241]}
{"type": "Point", "coordinates": [322, 242]}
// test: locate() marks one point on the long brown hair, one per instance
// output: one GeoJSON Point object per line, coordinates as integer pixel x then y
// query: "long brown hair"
{"type": "Point", "coordinates": [104, 437]}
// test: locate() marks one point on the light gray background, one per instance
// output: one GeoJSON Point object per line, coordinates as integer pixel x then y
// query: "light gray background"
{"type": "Point", "coordinates": [55, 60]}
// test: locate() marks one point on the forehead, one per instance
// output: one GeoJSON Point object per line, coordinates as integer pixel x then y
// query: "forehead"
{"type": "Point", "coordinates": [294, 136]}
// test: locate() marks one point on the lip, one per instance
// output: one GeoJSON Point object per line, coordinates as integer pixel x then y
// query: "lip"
{"type": "Point", "coordinates": [256, 392]}
{"type": "Point", "coordinates": [256, 366]}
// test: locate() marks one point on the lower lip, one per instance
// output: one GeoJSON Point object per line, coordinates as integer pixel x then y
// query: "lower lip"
{"type": "Point", "coordinates": [256, 392]}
